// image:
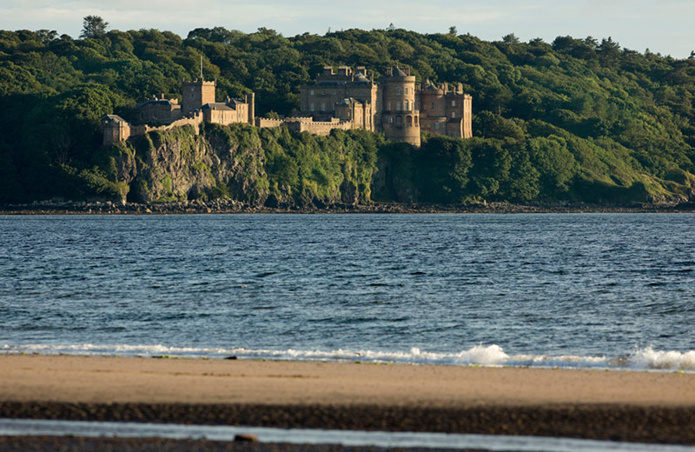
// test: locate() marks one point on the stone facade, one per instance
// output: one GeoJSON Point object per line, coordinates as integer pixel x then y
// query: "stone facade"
{"type": "Point", "coordinates": [399, 116]}
{"type": "Point", "coordinates": [116, 129]}
{"type": "Point", "coordinates": [341, 95]}
{"type": "Point", "coordinates": [343, 99]}
{"type": "Point", "coordinates": [445, 110]}
{"type": "Point", "coordinates": [159, 111]}
{"type": "Point", "coordinates": [196, 94]}
{"type": "Point", "coordinates": [398, 106]}
{"type": "Point", "coordinates": [198, 106]}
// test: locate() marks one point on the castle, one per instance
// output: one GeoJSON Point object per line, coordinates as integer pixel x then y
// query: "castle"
{"type": "Point", "coordinates": [199, 105]}
{"type": "Point", "coordinates": [399, 107]}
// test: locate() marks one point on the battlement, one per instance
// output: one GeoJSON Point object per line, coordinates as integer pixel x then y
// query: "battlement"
{"type": "Point", "coordinates": [340, 98]}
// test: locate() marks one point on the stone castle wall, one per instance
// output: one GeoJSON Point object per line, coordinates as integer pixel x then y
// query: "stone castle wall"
{"type": "Point", "coordinates": [144, 129]}
{"type": "Point", "coordinates": [398, 107]}
{"type": "Point", "coordinates": [303, 124]}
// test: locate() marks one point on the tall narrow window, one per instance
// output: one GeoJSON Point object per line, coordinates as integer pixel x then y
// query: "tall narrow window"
{"type": "Point", "coordinates": [432, 106]}
{"type": "Point", "coordinates": [453, 103]}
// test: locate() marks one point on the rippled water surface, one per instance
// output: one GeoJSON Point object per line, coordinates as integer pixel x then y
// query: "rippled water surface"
{"type": "Point", "coordinates": [587, 290]}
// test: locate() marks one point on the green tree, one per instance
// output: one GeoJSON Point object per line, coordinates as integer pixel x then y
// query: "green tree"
{"type": "Point", "coordinates": [93, 27]}
{"type": "Point", "coordinates": [510, 39]}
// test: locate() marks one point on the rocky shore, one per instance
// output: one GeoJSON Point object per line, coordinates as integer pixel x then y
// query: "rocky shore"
{"type": "Point", "coordinates": [226, 206]}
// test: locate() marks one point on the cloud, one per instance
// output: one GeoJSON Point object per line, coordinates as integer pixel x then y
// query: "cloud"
{"type": "Point", "coordinates": [663, 26]}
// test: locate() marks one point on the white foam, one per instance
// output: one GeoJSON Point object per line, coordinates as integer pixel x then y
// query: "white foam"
{"type": "Point", "coordinates": [649, 358]}
{"type": "Point", "coordinates": [479, 355]}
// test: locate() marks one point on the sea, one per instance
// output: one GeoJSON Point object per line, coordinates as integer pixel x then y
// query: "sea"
{"type": "Point", "coordinates": [598, 291]}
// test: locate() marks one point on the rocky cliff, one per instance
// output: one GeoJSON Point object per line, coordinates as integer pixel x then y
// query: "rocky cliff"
{"type": "Point", "coordinates": [253, 166]}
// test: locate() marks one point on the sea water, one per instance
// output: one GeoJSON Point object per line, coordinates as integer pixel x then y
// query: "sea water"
{"type": "Point", "coordinates": [418, 440]}
{"type": "Point", "coordinates": [547, 290]}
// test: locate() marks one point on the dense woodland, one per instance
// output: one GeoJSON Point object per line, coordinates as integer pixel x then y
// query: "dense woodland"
{"type": "Point", "coordinates": [573, 120]}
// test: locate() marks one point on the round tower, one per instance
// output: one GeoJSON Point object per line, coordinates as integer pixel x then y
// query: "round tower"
{"type": "Point", "coordinates": [400, 120]}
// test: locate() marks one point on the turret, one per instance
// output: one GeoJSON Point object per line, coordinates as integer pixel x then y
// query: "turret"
{"type": "Point", "coordinates": [115, 129]}
{"type": "Point", "coordinates": [251, 100]}
{"type": "Point", "coordinates": [400, 119]}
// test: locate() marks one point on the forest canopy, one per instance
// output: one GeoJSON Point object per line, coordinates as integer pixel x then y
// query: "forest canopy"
{"type": "Point", "coordinates": [576, 119]}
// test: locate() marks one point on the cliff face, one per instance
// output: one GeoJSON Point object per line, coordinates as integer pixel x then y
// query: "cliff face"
{"type": "Point", "coordinates": [281, 169]}
{"type": "Point", "coordinates": [180, 165]}
{"type": "Point", "coordinates": [253, 166]}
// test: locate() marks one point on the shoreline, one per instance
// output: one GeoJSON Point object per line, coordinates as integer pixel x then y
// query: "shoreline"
{"type": "Point", "coordinates": [591, 404]}
{"type": "Point", "coordinates": [237, 207]}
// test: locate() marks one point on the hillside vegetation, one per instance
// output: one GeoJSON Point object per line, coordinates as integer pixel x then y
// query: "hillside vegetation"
{"type": "Point", "coordinates": [578, 120]}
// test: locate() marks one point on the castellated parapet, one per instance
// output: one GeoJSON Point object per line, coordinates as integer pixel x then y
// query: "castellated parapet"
{"type": "Point", "coordinates": [196, 94]}
{"type": "Point", "coordinates": [445, 110]}
{"type": "Point", "coordinates": [399, 118]}
{"type": "Point", "coordinates": [398, 106]}
{"type": "Point", "coordinates": [344, 99]}
{"type": "Point", "coordinates": [198, 106]}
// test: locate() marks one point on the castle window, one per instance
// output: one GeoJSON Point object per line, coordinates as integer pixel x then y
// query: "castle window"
{"type": "Point", "coordinates": [432, 106]}
{"type": "Point", "coordinates": [453, 114]}
{"type": "Point", "coordinates": [436, 125]}
{"type": "Point", "coordinates": [398, 91]}
{"type": "Point", "coordinates": [323, 106]}
{"type": "Point", "coordinates": [398, 120]}
{"type": "Point", "coordinates": [407, 105]}
{"type": "Point", "coordinates": [453, 103]}
{"type": "Point", "coordinates": [409, 121]}
{"type": "Point", "coordinates": [311, 92]}
{"type": "Point", "coordinates": [406, 90]}
{"type": "Point", "coordinates": [311, 106]}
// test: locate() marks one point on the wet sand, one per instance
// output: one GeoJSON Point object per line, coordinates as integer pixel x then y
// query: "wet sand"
{"type": "Point", "coordinates": [617, 405]}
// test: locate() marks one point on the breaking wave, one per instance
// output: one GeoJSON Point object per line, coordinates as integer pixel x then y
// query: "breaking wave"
{"type": "Point", "coordinates": [480, 355]}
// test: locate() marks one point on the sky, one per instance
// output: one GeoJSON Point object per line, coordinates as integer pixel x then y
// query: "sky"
{"type": "Point", "coordinates": [662, 26]}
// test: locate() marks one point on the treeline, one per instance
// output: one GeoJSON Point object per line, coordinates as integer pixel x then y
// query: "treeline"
{"type": "Point", "coordinates": [571, 120]}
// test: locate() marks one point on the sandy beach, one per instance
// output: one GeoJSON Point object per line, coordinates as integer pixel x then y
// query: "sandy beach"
{"type": "Point", "coordinates": [618, 405]}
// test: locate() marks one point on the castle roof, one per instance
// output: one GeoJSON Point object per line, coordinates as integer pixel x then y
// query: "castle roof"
{"type": "Point", "coordinates": [216, 106]}
{"type": "Point", "coordinates": [158, 101]}
{"type": "Point", "coordinates": [398, 72]}
{"type": "Point", "coordinates": [112, 119]}
{"type": "Point", "coordinates": [235, 102]}
{"type": "Point", "coordinates": [361, 78]}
